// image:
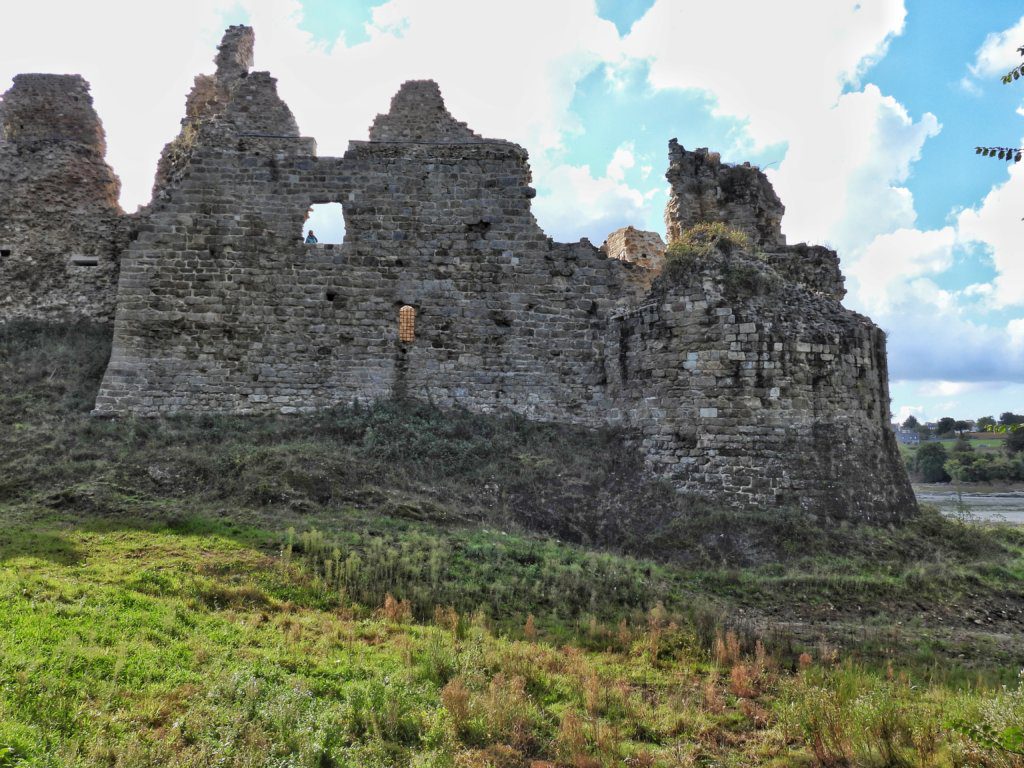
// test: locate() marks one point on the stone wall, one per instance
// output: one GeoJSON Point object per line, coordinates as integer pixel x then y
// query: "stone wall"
{"type": "Point", "coordinates": [751, 389]}
{"type": "Point", "coordinates": [740, 377]}
{"type": "Point", "coordinates": [61, 228]}
{"type": "Point", "coordinates": [706, 189]}
{"type": "Point", "coordinates": [636, 246]}
{"type": "Point", "coordinates": [703, 188]}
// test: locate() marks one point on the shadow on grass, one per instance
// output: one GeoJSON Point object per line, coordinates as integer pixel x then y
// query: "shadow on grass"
{"type": "Point", "coordinates": [39, 544]}
{"type": "Point", "coordinates": [47, 534]}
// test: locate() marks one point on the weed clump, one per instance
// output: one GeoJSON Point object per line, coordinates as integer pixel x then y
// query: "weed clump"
{"type": "Point", "coordinates": [713, 242]}
{"type": "Point", "coordinates": [702, 241]}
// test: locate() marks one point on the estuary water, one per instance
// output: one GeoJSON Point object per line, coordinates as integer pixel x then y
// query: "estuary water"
{"type": "Point", "coordinates": [997, 505]}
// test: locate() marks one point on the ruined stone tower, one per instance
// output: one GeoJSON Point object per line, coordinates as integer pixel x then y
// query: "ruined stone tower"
{"type": "Point", "coordinates": [739, 376]}
{"type": "Point", "coordinates": [61, 227]}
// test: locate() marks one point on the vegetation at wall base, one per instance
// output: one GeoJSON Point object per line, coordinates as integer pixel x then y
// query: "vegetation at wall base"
{"type": "Point", "coordinates": [396, 586]}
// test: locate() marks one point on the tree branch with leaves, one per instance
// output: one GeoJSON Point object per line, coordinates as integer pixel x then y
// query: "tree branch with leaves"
{"type": "Point", "coordinates": [1006, 153]}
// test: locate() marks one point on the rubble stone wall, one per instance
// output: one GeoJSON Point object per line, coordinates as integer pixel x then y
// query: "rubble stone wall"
{"type": "Point", "coordinates": [61, 228]}
{"type": "Point", "coordinates": [740, 377]}
{"type": "Point", "coordinates": [637, 247]}
{"type": "Point", "coordinates": [754, 390]}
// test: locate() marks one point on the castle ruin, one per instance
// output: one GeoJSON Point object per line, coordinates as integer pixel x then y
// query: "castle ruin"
{"type": "Point", "coordinates": [740, 376]}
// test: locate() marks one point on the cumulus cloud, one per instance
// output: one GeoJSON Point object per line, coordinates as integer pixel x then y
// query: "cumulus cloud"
{"type": "Point", "coordinates": [932, 345]}
{"type": "Point", "coordinates": [849, 149]}
{"type": "Point", "coordinates": [842, 176]}
{"type": "Point", "coordinates": [999, 51]}
{"type": "Point", "coordinates": [996, 224]}
{"type": "Point", "coordinates": [143, 58]}
{"type": "Point", "coordinates": [755, 57]}
{"type": "Point", "coordinates": [517, 84]}
{"type": "Point", "coordinates": [586, 204]}
{"type": "Point", "coordinates": [890, 262]}
{"type": "Point", "coordinates": [894, 274]}
{"type": "Point", "coordinates": [621, 161]}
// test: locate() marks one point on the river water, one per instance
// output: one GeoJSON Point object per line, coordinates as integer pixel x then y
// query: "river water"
{"type": "Point", "coordinates": [995, 505]}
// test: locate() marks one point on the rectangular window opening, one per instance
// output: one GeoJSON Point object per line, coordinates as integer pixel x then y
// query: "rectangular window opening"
{"type": "Point", "coordinates": [84, 261]}
{"type": "Point", "coordinates": [4, 253]}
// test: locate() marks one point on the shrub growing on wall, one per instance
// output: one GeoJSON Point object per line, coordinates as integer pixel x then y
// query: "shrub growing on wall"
{"type": "Point", "coordinates": [705, 239]}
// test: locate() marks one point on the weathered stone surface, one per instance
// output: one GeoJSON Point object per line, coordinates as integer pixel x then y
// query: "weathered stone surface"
{"type": "Point", "coordinates": [61, 228]}
{"type": "Point", "coordinates": [741, 378]}
{"type": "Point", "coordinates": [705, 189]}
{"type": "Point", "coordinates": [636, 246]}
{"type": "Point", "coordinates": [418, 113]}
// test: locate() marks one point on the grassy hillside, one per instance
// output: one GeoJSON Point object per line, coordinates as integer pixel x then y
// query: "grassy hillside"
{"type": "Point", "coordinates": [401, 586]}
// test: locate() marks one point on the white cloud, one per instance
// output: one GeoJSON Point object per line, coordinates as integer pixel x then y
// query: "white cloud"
{"type": "Point", "coordinates": [905, 411]}
{"type": "Point", "coordinates": [585, 204]}
{"type": "Point", "coordinates": [889, 264]}
{"type": "Point", "coordinates": [516, 82]}
{"type": "Point", "coordinates": [999, 51]}
{"type": "Point", "coordinates": [841, 179]}
{"type": "Point", "coordinates": [968, 85]}
{"type": "Point", "coordinates": [980, 290]}
{"type": "Point", "coordinates": [771, 63]}
{"type": "Point", "coordinates": [949, 388]}
{"type": "Point", "coordinates": [783, 68]}
{"type": "Point", "coordinates": [1015, 328]}
{"type": "Point", "coordinates": [930, 341]}
{"type": "Point", "coordinates": [996, 223]}
{"type": "Point", "coordinates": [501, 86]}
{"type": "Point", "coordinates": [621, 161]}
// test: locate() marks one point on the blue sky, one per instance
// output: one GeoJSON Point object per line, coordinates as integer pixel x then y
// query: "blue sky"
{"type": "Point", "coordinates": [864, 114]}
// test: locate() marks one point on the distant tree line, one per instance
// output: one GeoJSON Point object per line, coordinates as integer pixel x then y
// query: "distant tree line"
{"type": "Point", "coordinates": [933, 463]}
{"type": "Point", "coordinates": [947, 426]}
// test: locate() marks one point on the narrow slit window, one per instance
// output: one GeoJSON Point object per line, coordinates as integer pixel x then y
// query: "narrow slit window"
{"type": "Point", "coordinates": [84, 261]}
{"type": "Point", "coordinates": [406, 324]}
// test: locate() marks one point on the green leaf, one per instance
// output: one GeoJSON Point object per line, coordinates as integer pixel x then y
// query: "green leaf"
{"type": "Point", "coordinates": [1012, 738]}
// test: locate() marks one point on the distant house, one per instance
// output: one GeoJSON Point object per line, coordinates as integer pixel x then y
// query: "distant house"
{"type": "Point", "coordinates": [908, 437]}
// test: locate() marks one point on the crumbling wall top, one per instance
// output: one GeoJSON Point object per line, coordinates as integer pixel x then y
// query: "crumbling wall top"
{"type": "Point", "coordinates": [706, 189]}
{"type": "Point", "coordinates": [235, 52]}
{"type": "Point", "coordinates": [418, 114]}
{"type": "Point", "coordinates": [51, 108]}
{"type": "Point", "coordinates": [636, 246]}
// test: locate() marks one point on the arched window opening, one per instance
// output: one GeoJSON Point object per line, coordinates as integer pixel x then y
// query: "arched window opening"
{"type": "Point", "coordinates": [326, 222]}
{"type": "Point", "coordinates": [406, 324]}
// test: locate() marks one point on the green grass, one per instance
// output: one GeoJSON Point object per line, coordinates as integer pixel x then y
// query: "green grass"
{"type": "Point", "coordinates": [201, 642]}
{"type": "Point", "coordinates": [402, 586]}
{"type": "Point", "coordinates": [994, 443]}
